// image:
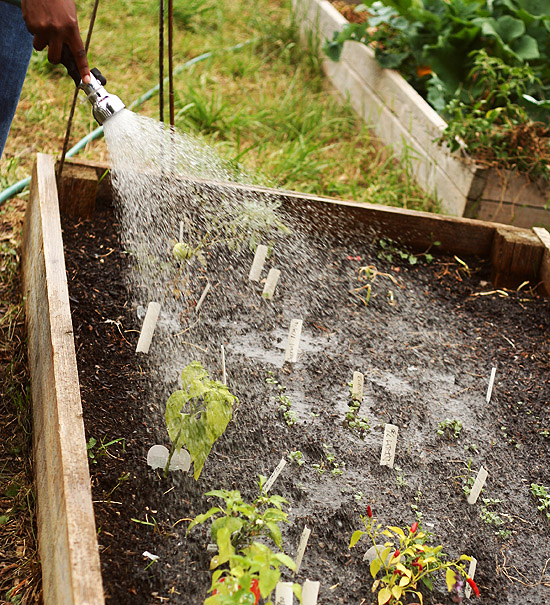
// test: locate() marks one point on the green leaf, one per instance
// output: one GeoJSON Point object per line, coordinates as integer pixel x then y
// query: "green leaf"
{"type": "Point", "coordinates": [226, 550]}
{"type": "Point", "coordinates": [509, 28]}
{"type": "Point", "coordinates": [355, 537]}
{"type": "Point", "coordinates": [203, 517]}
{"type": "Point", "coordinates": [275, 533]}
{"type": "Point", "coordinates": [285, 560]}
{"type": "Point", "coordinates": [233, 524]}
{"type": "Point", "coordinates": [397, 530]}
{"type": "Point", "coordinates": [375, 566]}
{"type": "Point", "coordinates": [268, 580]}
{"type": "Point", "coordinates": [427, 582]}
{"type": "Point", "coordinates": [526, 48]}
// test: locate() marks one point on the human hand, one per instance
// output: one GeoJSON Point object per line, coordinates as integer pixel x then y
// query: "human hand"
{"type": "Point", "coordinates": [54, 23]}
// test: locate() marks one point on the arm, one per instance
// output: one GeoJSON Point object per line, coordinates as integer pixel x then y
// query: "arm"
{"type": "Point", "coordinates": [54, 23]}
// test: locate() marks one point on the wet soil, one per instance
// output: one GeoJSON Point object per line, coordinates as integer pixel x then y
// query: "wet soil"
{"type": "Point", "coordinates": [426, 350]}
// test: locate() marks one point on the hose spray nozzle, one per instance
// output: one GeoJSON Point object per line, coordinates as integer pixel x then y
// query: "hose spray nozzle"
{"type": "Point", "coordinates": [104, 104]}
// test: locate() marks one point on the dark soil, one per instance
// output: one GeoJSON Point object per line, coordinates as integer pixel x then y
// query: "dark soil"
{"type": "Point", "coordinates": [426, 358]}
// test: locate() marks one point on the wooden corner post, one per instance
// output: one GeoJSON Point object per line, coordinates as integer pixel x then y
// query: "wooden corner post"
{"type": "Point", "coordinates": [66, 527]}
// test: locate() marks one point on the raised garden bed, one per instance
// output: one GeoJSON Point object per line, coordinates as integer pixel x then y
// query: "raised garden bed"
{"type": "Point", "coordinates": [426, 358]}
{"type": "Point", "coordinates": [403, 119]}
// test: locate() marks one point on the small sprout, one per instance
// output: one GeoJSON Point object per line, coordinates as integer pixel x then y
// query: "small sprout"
{"type": "Point", "coordinates": [297, 457]}
{"type": "Point", "coordinates": [449, 428]}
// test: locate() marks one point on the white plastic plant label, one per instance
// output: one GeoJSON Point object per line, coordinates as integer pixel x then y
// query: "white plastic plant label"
{"type": "Point", "coordinates": [258, 263]}
{"type": "Point", "coordinates": [471, 573]}
{"type": "Point", "coordinates": [222, 360]}
{"type": "Point", "coordinates": [491, 384]}
{"type": "Point", "coordinates": [157, 457]}
{"type": "Point", "coordinates": [293, 344]}
{"type": "Point", "coordinates": [202, 297]}
{"type": "Point", "coordinates": [269, 483]}
{"type": "Point", "coordinates": [358, 386]}
{"type": "Point", "coordinates": [302, 548]}
{"type": "Point", "coordinates": [478, 485]}
{"type": "Point", "coordinates": [310, 592]}
{"type": "Point", "coordinates": [149, 323]}
{"type": "Point", "coordinates": [388, 445]}
{"type": "Point", "coordinates": [284, 594]}
{"type": "Point", "coordinates": [271, 283]}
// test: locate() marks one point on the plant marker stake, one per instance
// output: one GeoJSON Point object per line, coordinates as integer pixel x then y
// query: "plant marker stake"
{"type": "Point", "coordinates": [471, 572]}
{"type": "Point", "coordinates": [284, 594]}
{"type": "Point", "coordinates": [478, 486]}
{"type": "Point", "coordinates": [157, 457]}
{"type": "Point", "coordinates": [358, 385]}
{"type": "Point", "coordinates": [258, 263]}
{"type": "Point", "coordinates": [388, 446]}
{"type": "Point", "coordinates": [491, 383]}
{"type": "Point", "coordinates": [310, 592]}
{"type": "Point", "coordinates": [269, 483]}
{"type": "Point", "coordinates": [293, 344]}
{"type": "Point", "coordinates": [224, 375]}
{"type": "Point", "coordinates": [149, 323]}
{"type": "Point", "coordinates": [271, 283]}
{"type": "Point", "coordinates": [203, 296]}
{"type": "Point", "coordinates": [302, 548]}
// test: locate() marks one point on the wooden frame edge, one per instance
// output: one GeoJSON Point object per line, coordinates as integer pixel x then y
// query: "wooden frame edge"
{"type": "Point", "coordinates": [68, 547]}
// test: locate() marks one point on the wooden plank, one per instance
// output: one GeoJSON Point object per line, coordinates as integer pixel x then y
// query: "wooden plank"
{"type": "Point", "coordinates": [66, 527]}
{"type": "Point", "coordinates": [77, 189]}
{"type": "Point", "coordinates": [519, 215]}
{"type": "Point", "coordinates": [544, 273]}
{"type": "Point", "coordinates": [516, 257]}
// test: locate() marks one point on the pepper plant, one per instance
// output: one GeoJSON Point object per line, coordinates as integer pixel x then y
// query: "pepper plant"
{"type": "Point", "coordinates": [406, 559]}
{"type": "Point", "coordinates": [244, 567]}
{"type": "Point", "coordinates": [197, 415]}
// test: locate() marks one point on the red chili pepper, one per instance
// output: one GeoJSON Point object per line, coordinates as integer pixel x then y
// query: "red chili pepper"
{"type": "Point", "coordinates": [396, 553]}
{"type": "Point", "coordinates": [417, 563]}
{"type": "Point", "coordinates": [473, 586]}
{"type": "Point", "coordinates": [369, 511]}
{"type": "Point", "coordinates": [255, 589]}
{"type": "Point", "coordinates": [414, 527]}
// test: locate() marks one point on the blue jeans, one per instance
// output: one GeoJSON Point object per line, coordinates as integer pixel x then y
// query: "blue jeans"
{"type": "Point", "coordinates": [15, 53]}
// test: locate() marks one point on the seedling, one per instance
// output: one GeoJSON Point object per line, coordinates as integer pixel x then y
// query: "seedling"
{"type": "Point", "coordinates": [197, 415]}
{"type": "Point", "coordinates": [542, 494]}
{"type": "Point", "coordinates": [285, 404]}
{"type": "Point", "coordinates": [405, 559]}
{"type": "Point", "coordinates": [400, 476]}
{"type": "Point", "coordinates": [330, 463]}
{"type": "Point", "coordinates": [449, 428]}
{"type": "Point", "coordinates": [103, 448]}
{"type": "Point", "coordinates": [297, 457]}
{"type": "Point", "coordinates": [352, 418]}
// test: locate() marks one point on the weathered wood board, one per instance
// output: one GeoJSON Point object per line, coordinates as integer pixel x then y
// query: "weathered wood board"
{"type": "Point", "coordinates": [400, 117]}
{"type": "Point", "coordinates": [66, 526]}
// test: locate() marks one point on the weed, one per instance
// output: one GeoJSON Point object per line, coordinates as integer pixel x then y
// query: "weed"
{"type": "Point", "coordinates": [449, 428]}
{"type": "Point", "coordinates": [542, 494]}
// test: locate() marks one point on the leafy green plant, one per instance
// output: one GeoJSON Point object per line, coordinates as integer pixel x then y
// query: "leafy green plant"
{"type": "Point", "coordinates": [197, 415]}
{"type": "Point", "coordinates": [352, 418]}
{"type": "Point", "coordinates": [542, 494]}
{"type": "Point", "coordinates": [449, 428]}
{"type": "Point", "coordinates": [449, 50]}
{"type": "Point", "coordinates": [406, 559]}
{"type": "Point", "coordinates": [235, 527]}
{"type": "Point", "coordinates": [297, 457]}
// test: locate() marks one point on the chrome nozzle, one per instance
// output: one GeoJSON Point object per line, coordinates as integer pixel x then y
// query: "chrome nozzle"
{"type": "Point", "coordinates": [104, 104]}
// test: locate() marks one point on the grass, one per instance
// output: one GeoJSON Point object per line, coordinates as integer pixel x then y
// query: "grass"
{"type": "Point", "coordinates": [266, 106]}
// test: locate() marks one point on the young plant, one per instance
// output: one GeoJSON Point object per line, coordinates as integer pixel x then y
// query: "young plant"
{"type": "Point", "coordinates": [253, 566]}
{"type": "Point", "coordinates": [405, 559]}
{"type": "Point", "coordinates": [449, 428]}
{"type": "Point", "coordinates": [102, 449]}
{"type": "Point", "coordinates": [297, 457]}
{"type": "Point", "coordinates": [542, 494]}
{"type": "Point", "coordinates": [352, 419]}
{"type": "Point", "coordinates": [285, 403]}
{"type": "Point", "coordinates": [197, 415]}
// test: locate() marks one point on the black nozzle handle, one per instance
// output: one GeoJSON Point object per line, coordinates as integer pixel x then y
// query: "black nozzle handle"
{"type": "Point", "coordinates": [68, 60]}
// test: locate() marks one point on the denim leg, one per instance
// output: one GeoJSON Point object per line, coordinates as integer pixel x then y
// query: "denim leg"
{"type": "Point", "coordinates": [15, 53]}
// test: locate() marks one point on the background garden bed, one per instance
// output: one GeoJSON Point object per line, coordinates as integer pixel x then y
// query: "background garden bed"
{"type": "Point", "coordinates": [402, 118]}
{"type": "Point", "coordinates": [425, 359]}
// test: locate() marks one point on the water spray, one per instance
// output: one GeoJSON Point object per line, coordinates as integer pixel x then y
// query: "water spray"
{"type": "Point", "coordinates": [104, 104]}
